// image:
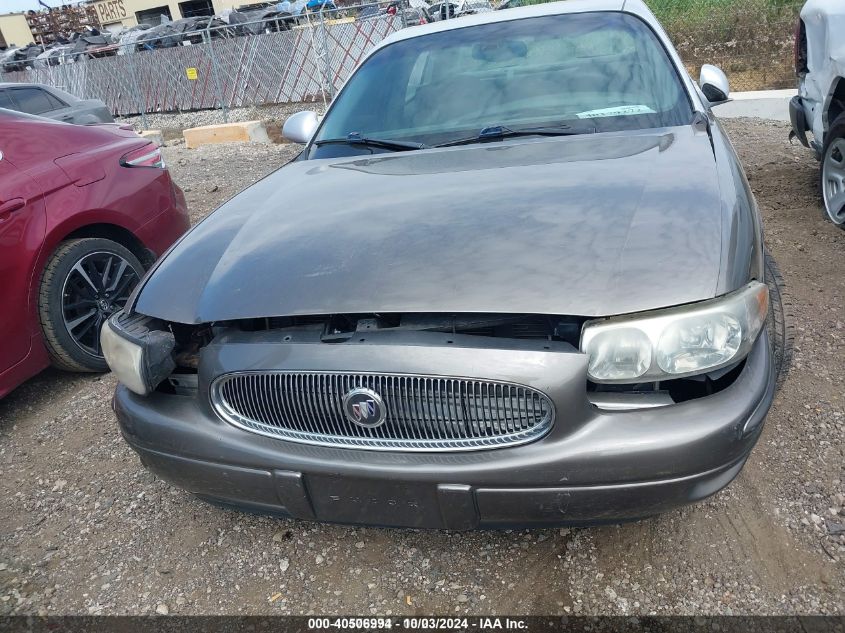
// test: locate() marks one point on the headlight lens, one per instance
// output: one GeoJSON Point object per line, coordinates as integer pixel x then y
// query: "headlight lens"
{"type": "Point", "coordinates": [125, 358]}
{"type": "Point", "coordinates": [137, 351]}
{"type": "Point", "coordinates": [698, 342]}
{"type": "Point", "coordinates": [620, 354]}
{"type": "Point", "coordinates": [676, 342]}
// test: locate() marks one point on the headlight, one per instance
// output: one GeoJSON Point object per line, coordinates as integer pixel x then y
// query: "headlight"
{"type": "Point", "coordinates": [138, 354]}
{"type": "Point", "coordinates": [676, 342]}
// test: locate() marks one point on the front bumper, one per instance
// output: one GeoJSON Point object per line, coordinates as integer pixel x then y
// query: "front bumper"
{"type": "Point", "coordinates": [595, 466]}
{"type": "Point", "coordinates": [798, 120]}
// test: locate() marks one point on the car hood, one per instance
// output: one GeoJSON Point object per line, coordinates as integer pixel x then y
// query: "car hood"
{"type": "Point", "coordinates": [585, 225]}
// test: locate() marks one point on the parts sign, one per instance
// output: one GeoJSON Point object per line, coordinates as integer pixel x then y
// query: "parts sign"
{"type": "Point", "coordinates": [111, 11]}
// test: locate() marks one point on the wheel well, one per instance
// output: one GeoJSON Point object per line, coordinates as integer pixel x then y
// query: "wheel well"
{"type": "Point", "coordinates": [837, 102]}
{"type": "Point", "coordinates": [117, 234]}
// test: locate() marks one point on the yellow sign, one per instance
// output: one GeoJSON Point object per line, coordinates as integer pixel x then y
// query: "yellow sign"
{"type": "Point", "coordinates": [192, 73]}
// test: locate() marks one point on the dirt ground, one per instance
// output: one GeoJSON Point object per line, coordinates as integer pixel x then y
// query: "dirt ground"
{"type": "Point", "coordinates": [85, 529]}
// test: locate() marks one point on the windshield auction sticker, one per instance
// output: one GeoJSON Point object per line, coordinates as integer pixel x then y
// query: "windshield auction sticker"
{"type": "Point", "coordinates": [626, 110]}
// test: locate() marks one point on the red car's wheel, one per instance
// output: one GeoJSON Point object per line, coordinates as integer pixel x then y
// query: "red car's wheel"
{"type": "Point", "coordinates": [84, 282]}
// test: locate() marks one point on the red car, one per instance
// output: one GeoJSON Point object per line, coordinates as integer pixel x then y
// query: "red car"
{"type": "Point", "coordinates": [84, 210]}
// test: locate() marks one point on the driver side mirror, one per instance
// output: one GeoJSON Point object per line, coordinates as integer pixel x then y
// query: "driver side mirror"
{"type": "Point", "coordinates": [714, 84]}
{"type": "Point", "coordinates": [300, 127]}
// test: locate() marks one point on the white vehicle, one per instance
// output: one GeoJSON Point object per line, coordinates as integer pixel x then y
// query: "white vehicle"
{"type": "Point", "coordinates": [456, 8]}
{"type": "Point", "coordinates": [819, 107]}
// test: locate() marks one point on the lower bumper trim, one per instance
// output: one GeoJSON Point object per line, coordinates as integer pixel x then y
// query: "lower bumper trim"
{"type": "Point", "coordinates": [598, 504]}
{"type": "Point", "coordinates": [415, 504]}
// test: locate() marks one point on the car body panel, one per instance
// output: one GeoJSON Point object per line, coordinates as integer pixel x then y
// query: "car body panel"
{"type": "Point", "coordinates": [742, 228]}
{"type": "Point", "coordinates": [80, 186]}
{"type": "Point", "coordinates": [21, 235]}
{"type": "Point", "coordinates": [824, 24]}
{"type": "Point", "coordinates": [84, 112]}
{"type": "Point", "coordinates": [584, 225]}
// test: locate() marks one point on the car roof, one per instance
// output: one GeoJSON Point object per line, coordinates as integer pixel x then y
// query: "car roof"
{"type": "Point", "coordinates": [15, 84]}
{"type": "Point", "coordinates": [636, 7]}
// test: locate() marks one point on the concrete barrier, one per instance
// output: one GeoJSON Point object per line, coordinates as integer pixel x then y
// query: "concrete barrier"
{"type": "Point", "coordinates": [758, 104]}
{"type": "Point", "coordinates": [153, 135]}
{"type": "Point", "coordinates": [242, 132]}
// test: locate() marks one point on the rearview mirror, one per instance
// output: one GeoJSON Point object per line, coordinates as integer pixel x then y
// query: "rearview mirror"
{"type": "Point", "coordinates": [300, 127]}
{"type": "Point", "coordinates": [714, 84]}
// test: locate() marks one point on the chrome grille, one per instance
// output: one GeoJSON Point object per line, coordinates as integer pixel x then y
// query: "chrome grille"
{"type": "Point", "coordinates": [423, 413]}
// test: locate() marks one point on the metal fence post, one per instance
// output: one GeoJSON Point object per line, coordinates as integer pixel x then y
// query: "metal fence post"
{"type": "Point", "coordinates": [327, 54]}
{"type": "Point", "coordinates": [138, 96]}
{"type": "Point", "coordinates": [403, 7]}
{"type": "Point", "coordinates": [215, 73]}
{"type": "Point", "coordinates": [327, 72]}
{"type": "Point", "coordinates": [312, 27]}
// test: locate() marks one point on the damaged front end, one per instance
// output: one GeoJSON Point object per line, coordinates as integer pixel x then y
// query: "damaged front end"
{"type": "Point", "coordinates": [430, 420]}
{"type": "Point", "coordinates": [149, 354]}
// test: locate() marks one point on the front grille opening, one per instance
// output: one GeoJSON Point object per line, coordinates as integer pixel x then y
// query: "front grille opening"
{"type": "Point", "coordinates": [419, 412]}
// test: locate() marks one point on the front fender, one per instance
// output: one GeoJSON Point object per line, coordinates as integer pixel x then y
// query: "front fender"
{"type": "Point", "coordinates": [59, 232]}
{"type": "Point", "coordinates": [742, 229]}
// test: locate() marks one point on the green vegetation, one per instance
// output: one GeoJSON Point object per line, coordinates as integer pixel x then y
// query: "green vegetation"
{"type": "Point", "coordinates": [706, 10]}
{"type": "Point", "coordinates": [751, 40]}
{"type": "Point", "coordinates": [692, 8]}
{"type": "Point", "coordinates": [703, 11]}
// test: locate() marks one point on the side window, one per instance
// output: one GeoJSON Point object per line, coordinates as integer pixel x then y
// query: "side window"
{"type": "Point", "coordinates": [55, 102]}
{"type": "Point", "coordinates": [6, 101]}
{"type": "Point", "coordinates": [32, 100]}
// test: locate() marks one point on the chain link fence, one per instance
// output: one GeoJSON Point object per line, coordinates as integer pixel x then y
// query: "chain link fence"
{"type": "Point", "coordinates": [308, 58]}
{"type": "Point", "coordinates": [305, 60]}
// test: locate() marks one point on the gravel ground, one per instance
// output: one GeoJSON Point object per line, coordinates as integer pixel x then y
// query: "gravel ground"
{"type": "Point", "coordinates": [85, 529]}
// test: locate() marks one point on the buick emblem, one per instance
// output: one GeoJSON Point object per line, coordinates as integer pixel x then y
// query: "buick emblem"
{"type": "Point", "coordinates": [364, 407]}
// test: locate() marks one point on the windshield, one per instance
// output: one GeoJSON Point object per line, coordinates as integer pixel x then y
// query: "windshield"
{"type": "Point", "coordinates": [591, 71]}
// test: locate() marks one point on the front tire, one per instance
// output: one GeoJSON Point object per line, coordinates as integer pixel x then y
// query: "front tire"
{"type": "Point", "coordinates": [779, 321]}
{"type": "Point", "coordinates": [84, 282]}
{"type": "Point", "coordinates": [832, 172]}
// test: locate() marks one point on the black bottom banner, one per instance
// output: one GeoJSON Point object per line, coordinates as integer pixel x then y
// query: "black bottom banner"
{"type": "Point", "coordinates": [328, 624]}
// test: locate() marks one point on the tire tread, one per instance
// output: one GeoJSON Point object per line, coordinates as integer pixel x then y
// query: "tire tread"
{"type": "Point", "coordinates": [61, 359]}
{"type": "Point", "coordinates": [780, 320]}
{"type": "Point", "coordinates": [59, 355]}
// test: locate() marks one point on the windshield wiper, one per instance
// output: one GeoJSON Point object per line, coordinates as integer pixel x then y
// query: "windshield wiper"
{"type": "Point", "coordinates": [354, 138]}
{"type": "Point", "coordinates": [499, 132]}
